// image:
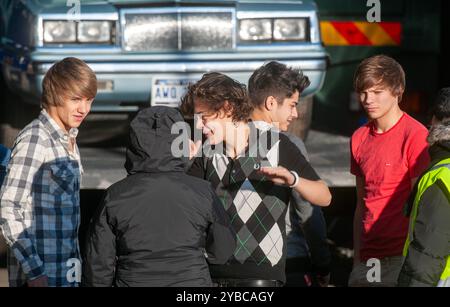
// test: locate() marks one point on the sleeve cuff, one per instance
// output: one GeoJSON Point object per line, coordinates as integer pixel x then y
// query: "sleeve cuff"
{"type": "Point", "coordinates": [33, 268]}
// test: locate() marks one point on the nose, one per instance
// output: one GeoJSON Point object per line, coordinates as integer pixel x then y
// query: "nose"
{"type": "Point", "coordinates": [84, 107]}
{"type": "Point", "coordinates": [294, 112]}
{"type": "Point", "coordinates": [198, 122]}
{"type": "Point", "coordinates": [368, 98]}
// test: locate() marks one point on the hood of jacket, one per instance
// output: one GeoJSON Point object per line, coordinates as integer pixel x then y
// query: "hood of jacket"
{"type": "Point", "coordinates": [440, 133]}
{"type": "Point", "coordinates": [439, 140]}
{"type": "Point", "coordinates": [151, 142]}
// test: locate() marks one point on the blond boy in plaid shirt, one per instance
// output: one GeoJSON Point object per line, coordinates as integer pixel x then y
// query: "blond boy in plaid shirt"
{"type": "Point", "coordinates": [40, 202]}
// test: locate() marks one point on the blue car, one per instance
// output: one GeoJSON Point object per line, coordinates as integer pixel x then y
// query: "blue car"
{"type": "Point", "coordinates": [146, 52]}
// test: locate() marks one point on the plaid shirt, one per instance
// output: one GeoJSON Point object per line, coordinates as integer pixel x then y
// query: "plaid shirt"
{"type": "Point", "coordinates": [40, 205]}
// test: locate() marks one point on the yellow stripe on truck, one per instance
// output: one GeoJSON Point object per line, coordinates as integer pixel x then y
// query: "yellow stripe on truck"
{"type": "Point", "coordinates": [331, 36]}
{"type": "Point", "coordinates": [361, 33]}
{"type": "Point", "coordinates": [375, 33]}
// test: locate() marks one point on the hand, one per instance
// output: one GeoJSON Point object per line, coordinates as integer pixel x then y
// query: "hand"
{"type": "Point", "coordinates": [278, 175]}
{"type": "Point", "coordinates": [194, 148]}
{"type": "Point", "coordinates": [38, 282]}
{"type": "Point", "coordinates": [323, 281]}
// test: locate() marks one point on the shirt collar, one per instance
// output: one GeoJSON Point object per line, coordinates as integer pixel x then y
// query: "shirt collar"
{"type": "Point", "coordinates": [55, 131]}
{"type": "Point", "coordinates": [262, 125]}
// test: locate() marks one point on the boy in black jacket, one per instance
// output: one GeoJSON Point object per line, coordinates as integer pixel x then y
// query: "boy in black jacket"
{"type": "Point", "coordinates": [158, 226]}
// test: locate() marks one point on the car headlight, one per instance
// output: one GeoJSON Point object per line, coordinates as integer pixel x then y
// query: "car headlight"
{"type": "Point", "coordinates": [255, 29]}
{"type": "Point", "coordinates": [94, 31]}
{"type": "Point", "coordinates": [290, 29]}
{"type": "Point", "coordinates": [59, 32]}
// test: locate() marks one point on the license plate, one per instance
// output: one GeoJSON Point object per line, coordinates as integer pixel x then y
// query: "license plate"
{"type": "Point", "coordinates": [169, 91]}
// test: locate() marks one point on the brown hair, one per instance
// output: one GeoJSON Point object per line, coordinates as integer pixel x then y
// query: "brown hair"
{"type": "Point", "coordinates": [380, 70]}
{"type": "Point", "coordinates": [68, 77]}
{"type": "Point", "coordinates": [215, 89]}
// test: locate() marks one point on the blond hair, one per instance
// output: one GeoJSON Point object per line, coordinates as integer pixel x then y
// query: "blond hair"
{"type": "Point", "coordinates": [70, 77]}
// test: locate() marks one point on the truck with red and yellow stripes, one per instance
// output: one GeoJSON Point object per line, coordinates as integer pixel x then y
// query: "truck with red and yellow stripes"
{"type": "Point", "coordinates": [411, 31]}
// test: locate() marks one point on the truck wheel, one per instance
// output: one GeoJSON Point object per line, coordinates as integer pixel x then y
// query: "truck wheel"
{"type": "Point", "coordinates": [300, 127]}
{"type": "Point", "coordinates": [8, 134]}
{"type": "Point", "coordinates": [15, 115]}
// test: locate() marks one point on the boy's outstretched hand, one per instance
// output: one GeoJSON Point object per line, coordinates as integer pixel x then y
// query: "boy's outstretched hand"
{"type": "Point", "coordinates": [279, 175]}
{"type": "Point", "coordinates": [314, 191]}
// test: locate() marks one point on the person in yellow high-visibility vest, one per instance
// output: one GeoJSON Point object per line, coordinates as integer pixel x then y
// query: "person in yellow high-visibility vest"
{"type": "Point", "coordinates": [427, 248]}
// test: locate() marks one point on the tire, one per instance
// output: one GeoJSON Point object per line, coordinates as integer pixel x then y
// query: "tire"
{"type": "Point", "coordinates": [8, 134]}
{"type": "Point", "coordinates": [14, 115]}
{"type": "Point", "coordinates": [300, 127]}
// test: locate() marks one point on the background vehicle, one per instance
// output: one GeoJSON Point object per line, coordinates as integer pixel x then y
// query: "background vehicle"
{"type": "Point", "coordinates": [146, 52]}
{"type": "Point", "coordinates": [417, 36]}
{"type": "Point", "coordinates": [412, 31]}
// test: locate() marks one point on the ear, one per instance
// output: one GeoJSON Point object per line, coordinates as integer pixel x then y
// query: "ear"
{"type": "Point", "coordinates": [270, 103]}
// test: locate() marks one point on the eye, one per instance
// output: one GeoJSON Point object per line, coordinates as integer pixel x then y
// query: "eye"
{"type": "Point", "coordinates": [204, 117]}
{"type": "Point", "coordinates": [208, 116]}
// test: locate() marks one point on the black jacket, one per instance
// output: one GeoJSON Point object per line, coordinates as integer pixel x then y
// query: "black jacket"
{"type": "Point", "coordinates": [430, 248]}
{"type": "Point", "coordinates": [155, 226]}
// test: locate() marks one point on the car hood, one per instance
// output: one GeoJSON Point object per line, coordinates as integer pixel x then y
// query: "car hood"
{"type": "Point", "coordinates": [55, 3]}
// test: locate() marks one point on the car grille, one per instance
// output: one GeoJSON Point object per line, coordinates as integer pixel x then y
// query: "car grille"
{"type": "Point", "coordinates": [178, 31]}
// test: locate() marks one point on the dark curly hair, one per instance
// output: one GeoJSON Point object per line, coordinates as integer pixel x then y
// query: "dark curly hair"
{"type": "Point", "coordinates": [277, 80]}
{"type": "Point", "coordinates": [441, 107]}
{"type": "Point", "coordinates": [214, 89]}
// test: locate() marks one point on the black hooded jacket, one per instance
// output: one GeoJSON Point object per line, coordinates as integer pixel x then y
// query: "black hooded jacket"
{"type": "Point", "coordinates": [158, 226]}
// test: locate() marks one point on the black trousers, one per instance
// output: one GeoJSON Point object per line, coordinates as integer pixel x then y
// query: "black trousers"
{"type": "Point", "coordinates": [298, 272]}
{"type": "Point", "coordinates": [227, 282]}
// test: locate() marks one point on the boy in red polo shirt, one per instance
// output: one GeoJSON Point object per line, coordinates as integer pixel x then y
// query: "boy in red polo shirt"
{"type": "Point", "coordinates": [387, 156]}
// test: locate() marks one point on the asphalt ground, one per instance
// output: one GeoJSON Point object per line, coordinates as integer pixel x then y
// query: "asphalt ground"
{"type": "Point", "coordinates": [329, 155]}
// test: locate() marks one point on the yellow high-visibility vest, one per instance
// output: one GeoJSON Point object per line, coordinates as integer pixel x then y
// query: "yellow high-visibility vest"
{"type": "Point", "coordinates": [441, 171]}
